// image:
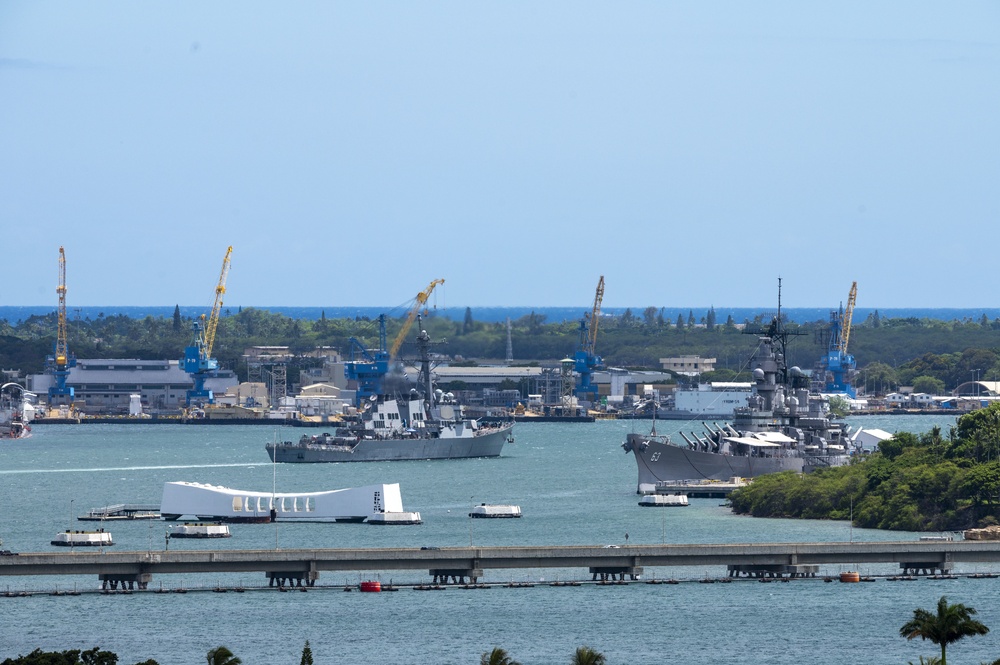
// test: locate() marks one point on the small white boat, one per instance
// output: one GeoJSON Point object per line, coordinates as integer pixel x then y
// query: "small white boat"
{"type": "Point", "coordinates": [99, 538]}
{"type": "Point", "coordinates": [200, 530]}
{"type": "Point", "coordinates": [487, 510]}
{"type": "Point", "coordinates": [663, 500]}
{"type": "Point", "coordinates": [402, 517]}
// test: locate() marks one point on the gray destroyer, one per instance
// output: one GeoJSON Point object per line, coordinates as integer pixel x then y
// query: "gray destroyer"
{"type": "Point", "coordinates": [400, 429]}
{"type": "Point", "coordinates": [783, 428]}
{"type": "Point", "coordinates": [413, 426]}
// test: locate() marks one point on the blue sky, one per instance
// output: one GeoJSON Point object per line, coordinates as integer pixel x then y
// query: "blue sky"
{"type": "Point", "coordinates": [351, 152]}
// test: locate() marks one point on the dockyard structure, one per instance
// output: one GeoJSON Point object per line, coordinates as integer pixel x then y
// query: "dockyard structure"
{"type": "Point", "coordinates": [717, 398]}
{"type": "Point", "coordinates": [104, 386]}
{"type": "Point", "coordinates": [323, 401]}
{"type": "Point", "coordinates": [978, 389]}
{"type": "Point", "coordinates": [688, 365]}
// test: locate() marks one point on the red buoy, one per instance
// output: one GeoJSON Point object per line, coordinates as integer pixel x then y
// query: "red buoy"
{"type": "Point", "coordinates": [371, 586]}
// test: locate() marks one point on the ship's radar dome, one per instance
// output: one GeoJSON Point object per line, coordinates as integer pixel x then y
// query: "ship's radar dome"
{"type": "Point", "coordinates": [758, 374]}
{"type": "Point", "coordinates": [796, 372]}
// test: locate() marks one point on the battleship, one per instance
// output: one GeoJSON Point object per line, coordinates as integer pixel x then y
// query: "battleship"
{"type": "Point", "coordinates": [410, 426]}
{"type": "Point", "coordinates": [16, 411]}
{"type": "Point", "coordinates": [782, 428]}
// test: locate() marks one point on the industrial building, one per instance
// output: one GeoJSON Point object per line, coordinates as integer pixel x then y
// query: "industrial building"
{"type": "Point", "coordinates": [103, 386]}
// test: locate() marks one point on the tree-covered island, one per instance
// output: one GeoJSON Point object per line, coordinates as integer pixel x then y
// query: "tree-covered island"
{"type": "Point", "coordinates": [927, 482]}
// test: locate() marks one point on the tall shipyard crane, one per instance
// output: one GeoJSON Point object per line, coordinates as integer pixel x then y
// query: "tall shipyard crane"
{"type": "Point", "coordinates": [838, 365]}
{"type": "Point", "coordinates": [418, 302]}
{"type": "Point", "coordinates": [585, 360]}
{"type": "Point", "coordinates": [370, 370]}
{"type": "Point", "coordinates": [61, 361]}
{"type": "Point", "coordinates": [198, 360]}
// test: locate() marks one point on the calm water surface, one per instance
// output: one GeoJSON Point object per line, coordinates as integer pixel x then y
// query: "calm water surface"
{"type": "Point", "coordinates": [575, 486]}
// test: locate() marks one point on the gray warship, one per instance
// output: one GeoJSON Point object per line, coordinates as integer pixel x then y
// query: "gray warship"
{"type": "Point", "coordinates": [410, 426]}
{"type": "Point", "coordinates": [782, 428]}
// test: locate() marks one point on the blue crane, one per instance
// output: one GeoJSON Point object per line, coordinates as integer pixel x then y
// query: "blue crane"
{"type": "Point", "coordinates": [369, 372]}
{"type": "Point", "coordinates": [585, 360]}
{"type": "Point", "coordinates": [62, 360]}
{"type": "Point", "coordinates": [198, 360]}
{"type": "Point", "coordinates": [368, 368]}
{"type": "Point", "coordinates": [838, 365]}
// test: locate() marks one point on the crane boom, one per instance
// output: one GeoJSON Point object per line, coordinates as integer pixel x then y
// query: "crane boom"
{"type": "Point", "coordinates": [220, 290]}
{"type": "Point", "coordinates": [845, 335]}
{"type": "Point", "coordinates": [411, 317]}
{"type": "Point", "coordinates": [595, 313]}
{"type": "Point", "coordinates": [62, 343]}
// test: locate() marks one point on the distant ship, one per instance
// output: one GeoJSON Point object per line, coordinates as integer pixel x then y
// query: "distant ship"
{"type": "Point", "coordinates": [16, 411]}
{"type": "Point", "coordinates": [783, 428]}
{"type": "Point", "coordinates": [414, 426]}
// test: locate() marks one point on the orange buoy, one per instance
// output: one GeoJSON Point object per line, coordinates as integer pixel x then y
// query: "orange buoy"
{"type": "Point", "coordinates": [850, 576]}
{"type": "Point", "coordinates": [371, 586]}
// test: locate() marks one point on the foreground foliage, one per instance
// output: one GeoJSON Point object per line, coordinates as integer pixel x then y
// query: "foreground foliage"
{"type": "Point", "coordinates": [949, 625]}
{"type": "Point", "coordinates": [93, 656]}
{"type": "Point", "coordinates": [929, 482]}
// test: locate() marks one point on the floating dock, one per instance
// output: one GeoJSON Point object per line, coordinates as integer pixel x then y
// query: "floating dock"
{"type": "Point", "coordinates": [701, 489]}
{"type": "Point", "coordinates": [122, 511]}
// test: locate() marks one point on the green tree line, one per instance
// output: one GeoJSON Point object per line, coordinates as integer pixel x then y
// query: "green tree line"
{"type": "Point", "coordinates": [932, 354]}
{"type": "Point", "coordinates": [930, 482]}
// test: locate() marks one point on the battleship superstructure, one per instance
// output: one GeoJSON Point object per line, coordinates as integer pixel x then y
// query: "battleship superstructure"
{"type": "Point", "coordinates": [782, 428]}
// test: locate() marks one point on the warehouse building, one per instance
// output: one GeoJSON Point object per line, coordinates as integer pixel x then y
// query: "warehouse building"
{"type": "Point", "coordinates": [103, 386]}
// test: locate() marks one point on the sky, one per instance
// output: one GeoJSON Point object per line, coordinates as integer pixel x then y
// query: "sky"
{"type": "Point", "coordinates": [351, 152]}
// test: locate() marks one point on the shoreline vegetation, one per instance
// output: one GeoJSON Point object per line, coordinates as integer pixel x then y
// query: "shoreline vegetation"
{"type": "Point", "coordinates": [932, 355]}
{"type": "Point", "coordinates": [934, 481]}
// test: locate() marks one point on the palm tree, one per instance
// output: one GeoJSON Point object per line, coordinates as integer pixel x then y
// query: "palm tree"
{"type": "Point", "coordinates": [588, 656]}
{"type": "Point", "coordinates": [222, 656]}
{"type": "Point", "coordinates": [950, 624]}
{"type": "Point", "coordinates": [497, 657]}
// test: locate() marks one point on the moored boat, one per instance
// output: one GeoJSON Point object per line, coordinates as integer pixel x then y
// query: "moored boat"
{"type": "Point", "coordinates": [201, 530]}
{"type": "Point", "coordinates": [70, 538]}
{"type": "Point", "coordinates": [395, 518]}
{"type": "Point", "coordinates": [664, 500]}
{"type": "Point", "coordinates": [495, 511]}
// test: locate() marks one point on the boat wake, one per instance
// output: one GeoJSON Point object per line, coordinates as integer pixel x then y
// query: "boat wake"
{"type": "Point", "coordinates": [9, 472]}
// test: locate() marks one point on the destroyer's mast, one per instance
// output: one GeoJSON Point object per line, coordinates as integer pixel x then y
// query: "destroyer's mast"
{"type": "Point", "coordinates": [424, 346]}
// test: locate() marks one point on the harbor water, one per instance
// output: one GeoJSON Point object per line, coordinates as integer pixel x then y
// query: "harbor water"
{"type": "Point", "coordinates": [575, 486]}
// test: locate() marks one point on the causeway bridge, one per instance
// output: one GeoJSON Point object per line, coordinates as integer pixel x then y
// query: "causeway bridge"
{"type": "Point", "coordinates": [302, 567]}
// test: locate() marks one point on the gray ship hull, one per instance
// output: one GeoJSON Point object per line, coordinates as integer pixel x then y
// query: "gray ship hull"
{"type": "Point", "coordinates": [660, 460]}
{"type": "Point", "coordinates": [487, 444]}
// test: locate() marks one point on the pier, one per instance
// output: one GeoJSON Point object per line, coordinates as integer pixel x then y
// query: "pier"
{"type": "Point", "coordinates": [302, 567]}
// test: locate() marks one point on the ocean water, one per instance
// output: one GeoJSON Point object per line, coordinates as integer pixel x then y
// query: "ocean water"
{"type": "Point", "coordinates": [574, 484]}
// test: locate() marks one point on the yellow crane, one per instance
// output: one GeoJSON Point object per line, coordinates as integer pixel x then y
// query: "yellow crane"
{"type": "Point", "coordinates": [845, 334]}
{"type": "Point", "coordinates": [62, 344]}
{"type": "Point", "coordinates": [198, 360]}
{"type": "Point", "coordinates": [61, 361]}
{"type": "Point", "coordinates": [595, 315]}
{"type": "Point", "coordinates": [220, 290]}
{"type": "Point", "coordinates": [420, 300]}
